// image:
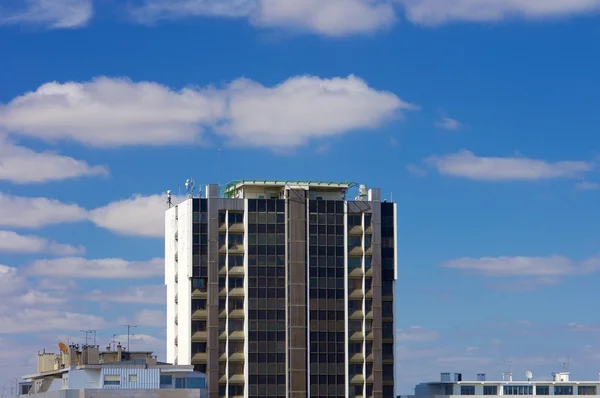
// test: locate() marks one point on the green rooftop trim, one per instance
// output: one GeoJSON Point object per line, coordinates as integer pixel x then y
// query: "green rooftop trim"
{"type": "Point", "coordinates": [232, 186]}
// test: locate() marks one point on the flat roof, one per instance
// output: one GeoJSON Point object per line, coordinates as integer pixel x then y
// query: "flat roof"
{"type": "Point", "coordinates": [514, 382]}
{"type": "Point", "coordinates": [235, 185]}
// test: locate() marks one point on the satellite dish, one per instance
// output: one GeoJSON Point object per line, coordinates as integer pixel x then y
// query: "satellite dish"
{"type": "Point", "coordinates": [63, 348]}
{"type": "Point", "coordinates": [529, 375]}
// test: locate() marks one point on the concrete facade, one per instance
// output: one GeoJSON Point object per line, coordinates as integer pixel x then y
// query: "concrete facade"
{"type": "Point", "coordinates": [283, 289]}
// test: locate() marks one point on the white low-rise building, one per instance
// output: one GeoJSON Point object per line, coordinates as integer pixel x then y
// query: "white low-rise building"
{"type": "Point", "coordinates": [454, 385]}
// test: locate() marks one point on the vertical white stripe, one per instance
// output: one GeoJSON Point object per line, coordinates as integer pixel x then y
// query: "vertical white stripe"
{"type": "Point", "coordinates": [246, 305]}
{"type": "Point", "coordinates": [226, 302]}
{"type": "Point", "coordinates": [307, 295]}
{"type": "Point", "coordinates": [347, 360]}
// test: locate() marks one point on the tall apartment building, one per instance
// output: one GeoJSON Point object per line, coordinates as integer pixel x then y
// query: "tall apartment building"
{"type": "Point", "coordinates": [283, 289]}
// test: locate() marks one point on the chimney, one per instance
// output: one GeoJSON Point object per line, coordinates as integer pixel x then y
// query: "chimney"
{"type": "Point", "coordinates": [119, 352]}
{"type": "Point", "coordinates": [480, 376]}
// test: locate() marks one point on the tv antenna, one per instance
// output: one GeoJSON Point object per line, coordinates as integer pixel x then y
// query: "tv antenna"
{"type": "Point", "coordinates": [190, 187]}
{"type": "Point", "coordinates": [87, 334]}
{"type": "Point", "coordinates": [129, 327]}
{"type": "Point", "coordinates": [169, 199]}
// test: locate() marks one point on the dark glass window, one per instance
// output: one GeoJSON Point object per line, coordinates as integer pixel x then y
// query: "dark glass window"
{"type": "Point", "coordinates": [467, 390]}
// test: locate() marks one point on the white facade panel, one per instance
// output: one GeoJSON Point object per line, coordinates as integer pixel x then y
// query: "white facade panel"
{"type": "Point", "coordinates": [184, 285]}
{"type": "Point", "coordinates": [132, 378]}
{"type": "Point", "coordinates": [170, 270]}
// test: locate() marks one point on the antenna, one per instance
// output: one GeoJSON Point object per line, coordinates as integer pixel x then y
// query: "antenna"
{"type": "Point", "coordinates": [529, 375]}
{"type": "Point", "coordinates": [113, 342]}
{"type": "Point", "coordinates": [87, 333]}
{"type": "Point", "coordinates": [169, 199]}
{"type": "Point", "coordinates": [129, 327]}
{"type": "Point", "coordinates": [219, 169]}
{"type": "Point", "coordinates": [190, 187]}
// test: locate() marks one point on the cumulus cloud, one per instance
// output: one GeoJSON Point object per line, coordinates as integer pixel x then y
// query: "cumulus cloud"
{"type": "Point", "coordinates": [51, 13]}
{"type": "Point", "coordinates": [81, 268]}
{"type": "Point", "coordinates": [333, 18]}
{"type": "Point", "coordinates": [465, 164]}
{"type": "Point", "coordinates": [109, 112]}
{"type": "Point", "coordinates": [525, 266]}
{"type": "Point", "coordinates": [435, 12]}
{"type": "Point", "coordinates": [27, 212]}
{"type": "Point", "coordinates": [447, 123]}
{"type": "Point", "coordinates": [136, 216]}
{"type": "Point", "coordinates": [11, 281]}
{"type": "Point", "coordinates": [587, 186]}
{"type": "Point", "coordinates": [416, 334]}
{"type": "Point", "coordinates": [12, 242]}
{"type": "Point", "coordinates": [37, 298]}
{"type": "Point", "coordinates": [22, 165]}
{"type": "Point", "coordinates": [37, 320]}
{"type": "Point", "coordinates": [152, 318]}
{"type": "Point", "coordinates": [151, 294]}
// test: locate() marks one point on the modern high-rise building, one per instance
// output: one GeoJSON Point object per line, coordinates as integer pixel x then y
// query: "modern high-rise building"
{"type": "Point", "coordinates": [283, 289]}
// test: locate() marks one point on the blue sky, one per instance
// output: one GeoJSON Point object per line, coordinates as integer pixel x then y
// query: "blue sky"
{"type": "Point", "coordinates": [480, 118]}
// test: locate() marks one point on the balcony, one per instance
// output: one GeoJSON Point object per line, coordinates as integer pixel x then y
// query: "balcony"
{"type": "Point", "coordinates": [237, 378]}
{"type": "Point", "coordinates": [355, 230]}
{"type": "Point", "coordinates": [199, 336]}
{"type": "Point", "coordinates": [237, 357]}
{"type": "Point", "coordinates": [238, 335]}
{"type": "Point", "coordinates": [356, 294]}
{"type": "Point", "coordinates": [356, 336]}
{"type": "Point", "coordinates": [357, 358]}
{"type": "Point", "coordinates": [236, 271]}
{"type": "Point", "coordinates": [236, 292]}
{"type": "Point", "coordinates": [200, 357]}
{"type": "Point", "coordinates": [237, 314]}
{"type": "Point", "coordinates": [357, 380]}
{"type": "Point", "coordinates": [356, 315]}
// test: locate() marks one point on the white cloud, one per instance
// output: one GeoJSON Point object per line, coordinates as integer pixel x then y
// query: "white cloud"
{"type": "Point", "coordinates": [50, 13]}
{"type": "Point", "coordinates": [447, 123]}
{"type": "Point", "coordinates": [467, 165]}
{"type": "Point", "coordinates": [153, 318]}
{"type": "Point", "coordinates": [583, 327]}
{"type": "Point", "coordinates": [15, 243]}
{"type": "Point", "coordinates": [525, 266]}
{"type": "Point", "coordinates": [24, 212]}
{"type": "Point", "coordinates": [11, 281]}
{"type": "Point", "coordinates": [21, 165]}
{"type": "Point", "coordinates": [416, 170]}
{"type": "Point", "coordinates": [435, 12]}
{"type": "Point", "coordinates": [137, 216]}
{"type": "Point", "coordinates": [37, 320]}
{"type": "Point", "coordinates": [333, 18]}
{"type": "Point", "coordinates": [77, 267]}
{"type": "Point", "coordinates": [587, 186]}
{"type": "Point", "coordinates": [109, 112]}
{"type": "Point", "coordinates": [305, 107]}
{"type": "Point", "coordinates": [37, 298]}
{"type": "Point", "coordinates": [151, 294]}
{"type": "Point", "coordinates": [416, 334]}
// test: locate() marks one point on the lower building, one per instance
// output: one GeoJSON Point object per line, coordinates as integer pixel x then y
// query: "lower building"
{"type": "Point", "coordinates": [86, 372]}
{"type": "Point", "coordinates": [557, 384]}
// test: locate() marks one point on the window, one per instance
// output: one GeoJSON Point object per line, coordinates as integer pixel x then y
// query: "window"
{"type": "Point", "coordinates": [448, 389]}
{"type": "Point", "coordinates": [112, 380]}
{"type": "Point", "coordinates": [133, 378]}
{"type": "Point", "coordinates": [166, 380]}
{"type": "Point", "coordinates": [542, 390]}
{"type": "Point", "coordinates": [467, 390]}
{"type": "Point", "coordinates": [586, 390]}
{"type": "Point", "coordinates": [563, 390]}
{"type": "Point", "coordinates": [518, 390]}
{"type": "Point", "coordinates": [490, 390]}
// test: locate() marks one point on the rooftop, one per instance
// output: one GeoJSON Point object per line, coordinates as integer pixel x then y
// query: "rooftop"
{"type": "Point", "coordinates": [233, 186]}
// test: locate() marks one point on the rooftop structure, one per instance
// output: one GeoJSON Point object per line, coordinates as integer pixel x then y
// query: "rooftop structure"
{"type": "Point", "coordinates": [558, 384]}
{"type": "Point", "coordinates": [274, 189]}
